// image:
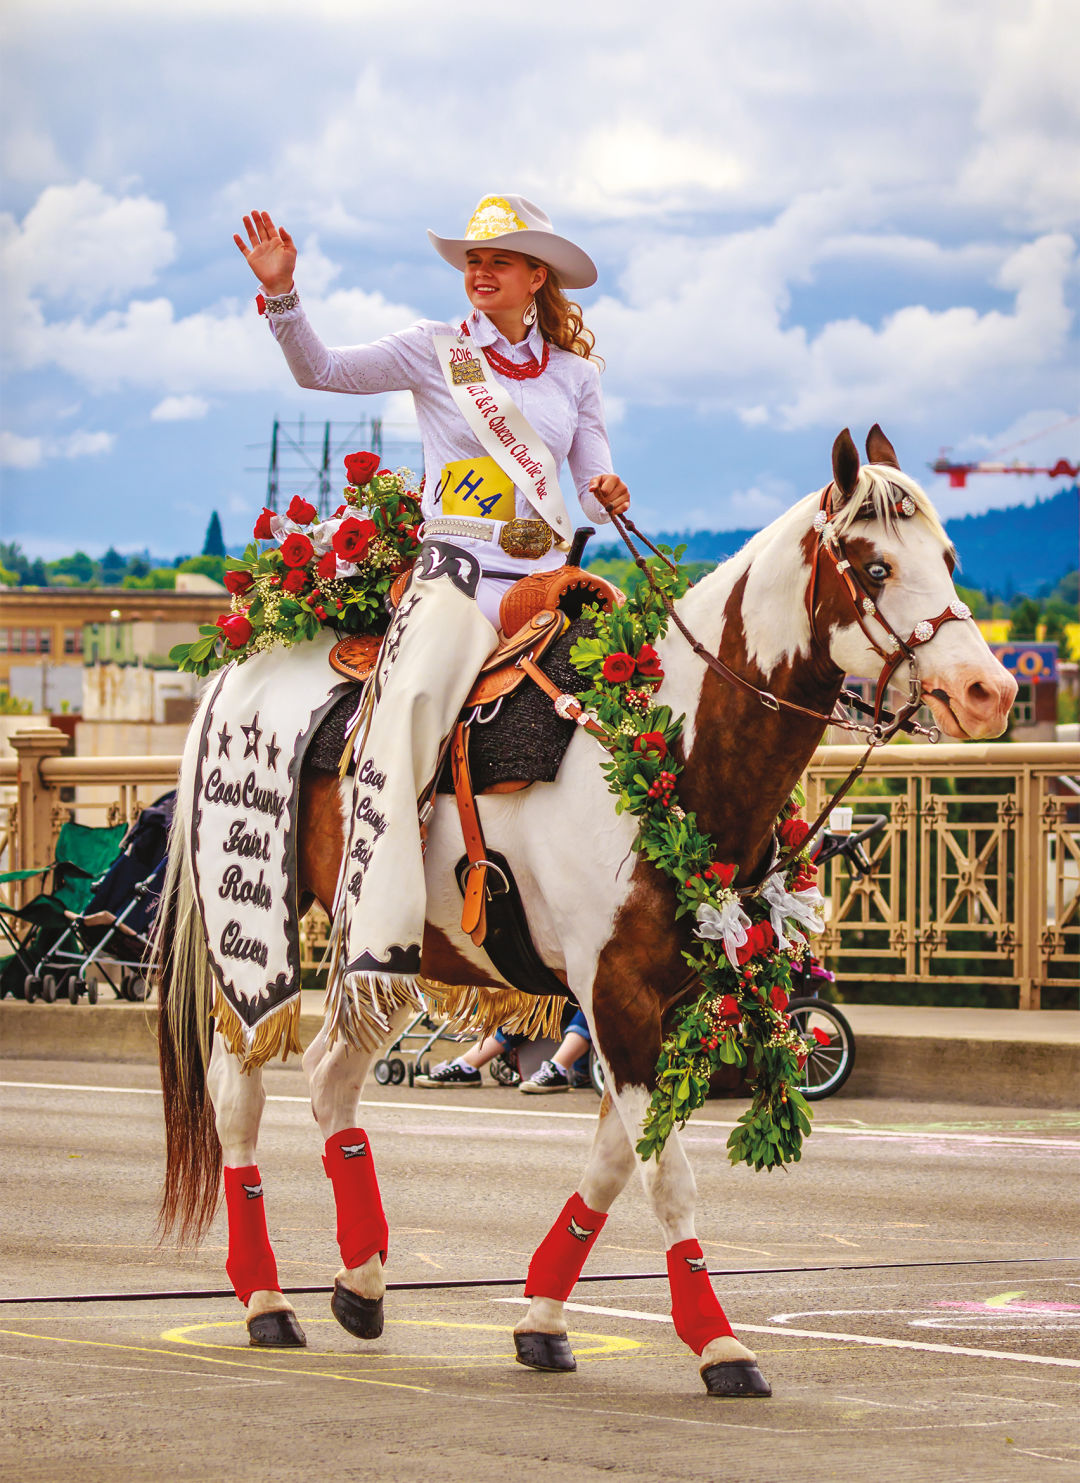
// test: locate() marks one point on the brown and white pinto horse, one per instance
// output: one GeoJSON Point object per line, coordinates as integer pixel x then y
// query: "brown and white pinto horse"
{"type": "Point", "coordinates": [597, 912]}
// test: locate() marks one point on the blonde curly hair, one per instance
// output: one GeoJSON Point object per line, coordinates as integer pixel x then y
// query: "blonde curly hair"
{"type": "Point", "coordinates": [560, 319]}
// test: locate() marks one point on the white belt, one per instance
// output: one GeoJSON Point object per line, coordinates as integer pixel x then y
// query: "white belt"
{"type": "Point", "coordinates": [521, 539]}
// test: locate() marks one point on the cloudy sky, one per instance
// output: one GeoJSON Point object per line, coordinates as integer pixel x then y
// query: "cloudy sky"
{"type": "Point", "coordinates": [807, 214]}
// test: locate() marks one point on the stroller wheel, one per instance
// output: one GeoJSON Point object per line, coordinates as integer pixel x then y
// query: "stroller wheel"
{"type": "Point", "coordinates": [31, 987]}
{"type": "Point", "coordinates": [49, 989]}
{"type": "Point", "coordinates": [91, 991]}
{"type": "Point", "coordinates": [382, 1073]}
{"type": "Point", "coordinates": [75, 987]}
{"type": "Point", "coordinates": [397, 1071]}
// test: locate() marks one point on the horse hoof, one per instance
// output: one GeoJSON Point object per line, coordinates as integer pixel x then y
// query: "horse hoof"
{"type": "Point", "coordinates": [735, 1377]}
{"type": "Point", "coordinates": [276, 1331]}
{"type": "Point", "coordinates": [361, 1317]}
{"type": "Point", "coordinates": [545, 1352]}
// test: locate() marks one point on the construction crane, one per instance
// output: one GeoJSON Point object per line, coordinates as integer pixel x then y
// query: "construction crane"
{"type": "Point", "coordinates": [958, 472]}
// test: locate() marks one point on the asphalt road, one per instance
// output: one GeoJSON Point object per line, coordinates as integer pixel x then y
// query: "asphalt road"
{"type": "Point", "coordinates": [969, 1370]}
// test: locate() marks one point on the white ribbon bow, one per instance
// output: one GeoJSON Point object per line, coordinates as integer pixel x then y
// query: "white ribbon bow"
{"type": "Point", "coordinates": [805, 907]}
{"type": "Point", "coordinates": [729, 923]}
{"type": "Point", "coordinates": [321, 535]}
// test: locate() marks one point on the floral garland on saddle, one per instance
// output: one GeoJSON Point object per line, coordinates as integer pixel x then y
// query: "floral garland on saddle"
{"type": "Point", "coordinates": [743, 946]}
{"type": "Point", "coordinates": [321, 573]}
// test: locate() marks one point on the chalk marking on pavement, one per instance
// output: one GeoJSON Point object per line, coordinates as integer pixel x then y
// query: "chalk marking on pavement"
{"type": "Point", "coordinates": [758, 1328]}
{"type": "Point", "coordinates": [1005, 1139]}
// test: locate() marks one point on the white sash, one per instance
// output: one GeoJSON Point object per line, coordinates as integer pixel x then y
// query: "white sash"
{"type": "Point", "coordinates": [504, 431]}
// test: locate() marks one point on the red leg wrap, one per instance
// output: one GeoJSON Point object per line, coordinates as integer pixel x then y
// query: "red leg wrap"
{"type": "Point", "coordinates": [558, 1260]}
{"type": "Point", "coordinates": [695, 1308]}
{"type": "Point", "coordinates": [361, 1225]}
{"type": "Point", "coordinates": [250, 1264]}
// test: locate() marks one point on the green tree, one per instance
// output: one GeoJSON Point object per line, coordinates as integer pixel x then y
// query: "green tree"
{"type": "Point", "coordinates": [113, 567]}
{"type": "Point", "coordinates": [1025, 616]}
{"type": "Point", "coordinates": [35, 574]}
{"type": "Point", "coordinates": [78, 570]}
{"type": "Point", "coordinates": [159, 579]}
{"type": "Point", "coordinates": [214, 545]}
{"type": "Point", "coordinates": [209, 566]}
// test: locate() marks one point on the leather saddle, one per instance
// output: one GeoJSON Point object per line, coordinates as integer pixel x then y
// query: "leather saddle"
{"type": "Point", "coordinates": [534, 612]}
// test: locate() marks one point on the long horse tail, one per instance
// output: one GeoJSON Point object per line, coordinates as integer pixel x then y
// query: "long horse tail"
{"type": "Point", "coordinates": [181, 965]}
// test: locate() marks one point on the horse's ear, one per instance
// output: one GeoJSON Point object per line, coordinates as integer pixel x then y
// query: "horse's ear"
{"type": "Point", "coordinates": [845, 464]}
{"type": "Point", "coordinates": [879, 449]}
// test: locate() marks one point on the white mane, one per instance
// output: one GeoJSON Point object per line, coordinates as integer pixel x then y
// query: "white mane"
{"type": "Point", "coordinates": [878, 487]}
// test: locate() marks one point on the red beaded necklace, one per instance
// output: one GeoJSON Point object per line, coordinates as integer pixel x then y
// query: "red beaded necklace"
{"type": "Point", "coordinates": [527, 372]}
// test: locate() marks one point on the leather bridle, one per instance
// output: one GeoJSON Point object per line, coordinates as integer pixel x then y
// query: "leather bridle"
{"type": "Point", "coordinates": [893, 650]}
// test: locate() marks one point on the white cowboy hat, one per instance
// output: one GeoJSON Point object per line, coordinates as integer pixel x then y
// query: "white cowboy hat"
{"type": "Point", "coordinates": [515, 223]}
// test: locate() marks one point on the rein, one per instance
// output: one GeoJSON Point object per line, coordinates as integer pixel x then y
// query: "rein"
{"type": "Point", "coordinates": [885, 724]}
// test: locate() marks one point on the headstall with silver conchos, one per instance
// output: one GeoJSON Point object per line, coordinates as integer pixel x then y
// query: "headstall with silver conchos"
{"type": "Point", "coordinates": [893, 649]}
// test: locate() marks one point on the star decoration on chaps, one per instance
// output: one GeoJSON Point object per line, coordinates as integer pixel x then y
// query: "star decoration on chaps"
{"type": "Point", "coordinates": [252, 734]}
{"type": "Point", "coordinates": [273, 752]}
{"type": "Point", "coordinates": [224, 738]}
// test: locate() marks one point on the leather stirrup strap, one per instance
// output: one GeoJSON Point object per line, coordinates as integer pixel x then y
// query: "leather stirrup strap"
{"type": "Point", "coordinates": [474, 910]}
{"type": "Point", "coordinates": [567, 706]}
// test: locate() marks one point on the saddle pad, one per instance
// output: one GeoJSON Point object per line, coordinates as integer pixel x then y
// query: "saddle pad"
{"type": "Point", "coordinates": [526, 742]}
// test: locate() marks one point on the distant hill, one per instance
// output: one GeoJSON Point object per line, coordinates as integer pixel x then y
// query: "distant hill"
{"type": "Point", "coordinates": [1022, 549]}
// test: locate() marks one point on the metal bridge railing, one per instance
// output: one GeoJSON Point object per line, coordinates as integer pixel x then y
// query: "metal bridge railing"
{"type": "Point", "coordinates": [976, 878]}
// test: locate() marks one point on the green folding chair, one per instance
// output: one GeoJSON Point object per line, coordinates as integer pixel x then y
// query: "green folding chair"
{"type": "Point", "coordinates": [83, 854]}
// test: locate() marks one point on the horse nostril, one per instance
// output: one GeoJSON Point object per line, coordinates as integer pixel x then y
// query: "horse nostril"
{"type": "Point", "coordinates": [978, 694]}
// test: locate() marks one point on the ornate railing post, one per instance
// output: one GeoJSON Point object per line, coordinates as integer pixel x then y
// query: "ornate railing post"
{"type": "Point", "coordinates": [36, 801]}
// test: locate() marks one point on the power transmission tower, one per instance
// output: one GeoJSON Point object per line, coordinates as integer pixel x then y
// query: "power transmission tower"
{"type": "Point", "coordinates": [308, 459]}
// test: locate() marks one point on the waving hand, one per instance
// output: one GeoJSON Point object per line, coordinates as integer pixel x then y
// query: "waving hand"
{"type": "Point", "coordinates": [270, 252]}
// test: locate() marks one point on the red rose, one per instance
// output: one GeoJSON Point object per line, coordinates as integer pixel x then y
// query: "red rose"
{"type": "Point", "coordinates": [778, 998]}
{"type": "Point", "coordinates": [618, 668]}
{"type": "Point", "coordinates": [237, 582]}
{"type": "Point", "coordinates": [236, 628]}
{"type": "Point", "coordinates": [262, 526]}
{"type": "Point", "coordinates": [294, 581]}
{"type": "Point", "coordinates": [296, 550]}
{"type": "Point", "coordinates": [723, 875]}
{"type": "Point", "coordinates": [648, 663]}
{"type": "Point", "coordinates": [301, 511]}
{"type": "Point", "coordinates": [652, 742]}
{"type": "Point", "coordinates": [759, 939]}
{"type": "Point", "coordinates": [730, 1012]}
{"type": "Point", "coordinates": [351, 538]}
{"type": "Point", "coordinates": [793, 832]}
{"type": "Point", "coordinates": [327, 566]}
{"type": "Point", "coordinates": [360, 467]}
{"type": "Point", "coordinates": [340, 511]}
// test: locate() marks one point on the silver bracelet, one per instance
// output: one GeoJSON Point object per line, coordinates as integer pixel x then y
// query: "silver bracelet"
{"type": "Point", "coordinates": [281, 303]}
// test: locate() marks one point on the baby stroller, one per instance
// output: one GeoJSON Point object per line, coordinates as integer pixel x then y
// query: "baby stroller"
{"type": "Point", "coordinates": [111, 934]}
{"type": "Point", "coordinates": [32, 930]}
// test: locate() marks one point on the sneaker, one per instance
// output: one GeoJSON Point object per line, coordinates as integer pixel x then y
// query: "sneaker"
{"type": "Point", "coordinates": [549, 1078]}
{"type": "Point", "coordinates": [450, 1074]}
{"type": "Point", "coordinates": [579, 1080]}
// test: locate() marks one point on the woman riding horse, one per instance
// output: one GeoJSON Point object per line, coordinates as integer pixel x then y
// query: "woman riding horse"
{"type": "Point", "coordinates": [502, 399]}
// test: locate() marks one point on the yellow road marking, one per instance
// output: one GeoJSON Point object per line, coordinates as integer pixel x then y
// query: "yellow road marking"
{"type": "Point", "coordinates": [602, 1345]}
{"type": "Point", "coordinates": [207, 1359]}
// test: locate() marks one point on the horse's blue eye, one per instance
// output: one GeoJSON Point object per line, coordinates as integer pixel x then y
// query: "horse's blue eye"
{"type": "Point", "coordinates": [877, 571]}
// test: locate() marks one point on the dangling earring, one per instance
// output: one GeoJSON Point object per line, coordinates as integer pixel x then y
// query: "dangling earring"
{"type": "Point", "coordinates": [529, 317]}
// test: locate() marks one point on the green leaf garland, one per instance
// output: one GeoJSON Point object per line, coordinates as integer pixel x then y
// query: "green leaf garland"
{"type": "Point", "coordinates": [738, 1019]}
